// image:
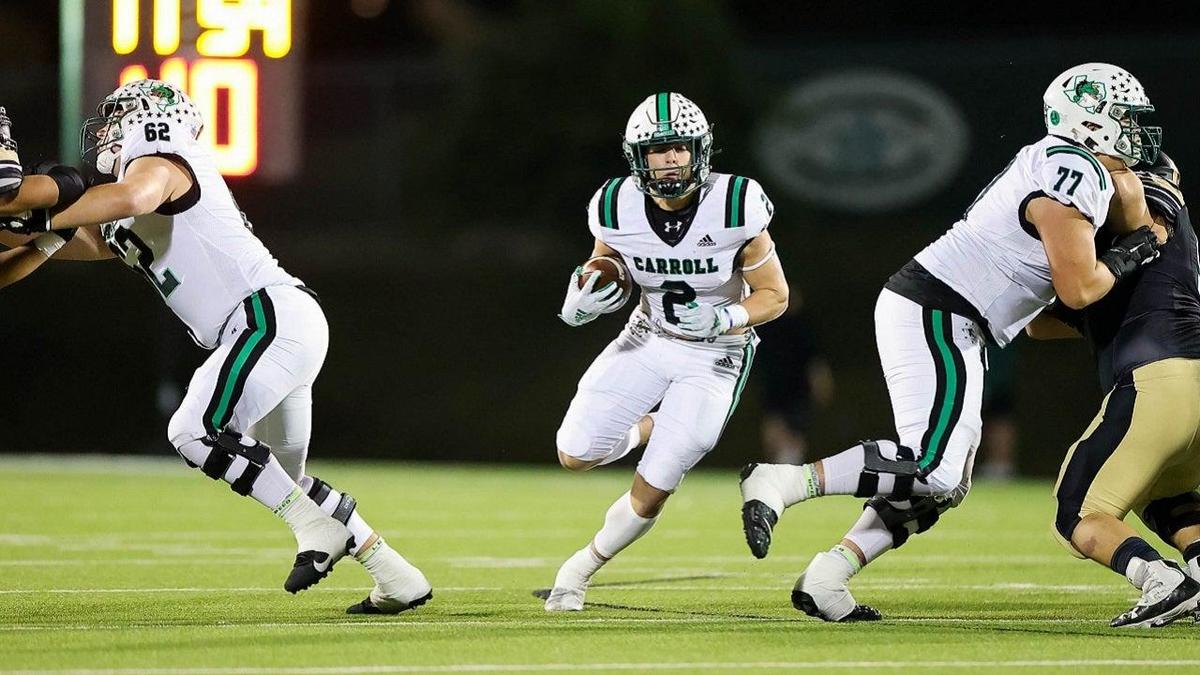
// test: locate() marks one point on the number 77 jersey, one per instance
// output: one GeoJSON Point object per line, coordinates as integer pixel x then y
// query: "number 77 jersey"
{"type": "Point", "coordinates": [197, 251]}
{"type": "Point", "coordinates": [993, 256]}
{"type": "Point", "coordinates": [685, 256]}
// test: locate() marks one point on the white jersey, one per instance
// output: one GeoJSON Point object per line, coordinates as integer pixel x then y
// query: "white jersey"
{"type": "Point", "coordinates": [198, 250]}
{"type": "Point", "coordinates": [702, 263]}
{"type": "Point", "coordinates": [994, 257]}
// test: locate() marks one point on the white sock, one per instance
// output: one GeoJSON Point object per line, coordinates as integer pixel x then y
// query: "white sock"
{"type": "Point", "coordinates": [622, 527]}
{"type": "Point", "coordinates": [364, 534]}
{"type": "Point", "coordinates": [298, 511]}
{"type": "Point", "coordinates": [870, 535]}
{"type": "Point", "coordinates": [579, 568]}
{"type": "Point", "coordinates": [796, 483]}
{"type": "Point", "coordinates": [1137, 573]}
{"type": "Point", "coordinates": [843, 470]}
{"type": "Point", "coordinates": [272, 486]}
{"type": "Point", "coordinates": [632, 439]}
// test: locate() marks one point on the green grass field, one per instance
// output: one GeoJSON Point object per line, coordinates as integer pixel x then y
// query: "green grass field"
{"type": "Point", "coordinates": [133, 566]}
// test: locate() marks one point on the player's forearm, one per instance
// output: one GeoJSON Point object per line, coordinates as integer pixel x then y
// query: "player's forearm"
{"type": "Point", "coordinates": [18, 263]}
{"type": "Point", "coordinates": [37, 192]}
{"type": "Point", "coordinates": [106, 203]}
{"type": "Point", "coordinates": [1080, 285]}
{"type": "Point", "coordinates": [765, 304]}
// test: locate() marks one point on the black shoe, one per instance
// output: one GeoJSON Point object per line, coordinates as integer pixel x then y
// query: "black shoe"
{"type": "Point", "coordinates": [805, 603]}
{"type": "Point", "coordinates": [310, 568]}
{"type": "Point", "coordinates": [758, 520]}
{"type": "Point", "coordinates": [1162, 603]}
{"type": "Point", "coordinates": [368, 607]}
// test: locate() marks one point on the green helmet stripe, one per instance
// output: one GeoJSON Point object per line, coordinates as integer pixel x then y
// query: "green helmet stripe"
{"type": "Point", "coordinates": [1070, 149]}
{"type": "Point", "coordinates": [664, 107]}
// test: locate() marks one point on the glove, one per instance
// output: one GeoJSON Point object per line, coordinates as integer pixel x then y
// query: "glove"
{"type": "Point", "coordinates": [1131, 251]}
{"type": "Point", "coordinates": [583, 304]}
{"type": "Point", "coordinates": [10, 164]}
{"type": "Point", "coordinates": [30, 222]}
{"type": "Point", "coordinates": [702, 320]}
{"type": "Point", "coordinates": [1160, 181]}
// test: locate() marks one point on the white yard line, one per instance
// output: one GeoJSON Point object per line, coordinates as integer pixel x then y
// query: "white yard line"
{"type": "Point", "coordinates": [548, 622]}
{"type": "Point", "coordinates": [643, 666]}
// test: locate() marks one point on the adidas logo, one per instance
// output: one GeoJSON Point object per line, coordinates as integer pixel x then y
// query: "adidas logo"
{"type": "Point", "coordinates": [706, 241]}
{"type": "Point", "coordinates": [724, 362]}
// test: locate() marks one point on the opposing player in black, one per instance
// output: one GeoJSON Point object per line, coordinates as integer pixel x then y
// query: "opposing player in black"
{"type": "Point", "coordinates": [1142, 452]}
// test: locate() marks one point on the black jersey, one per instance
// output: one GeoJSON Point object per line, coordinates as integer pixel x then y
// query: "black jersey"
{"type": "Point", "coordinates": [1154, 315]}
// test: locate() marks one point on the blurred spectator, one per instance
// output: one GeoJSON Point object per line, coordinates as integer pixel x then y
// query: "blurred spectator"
{"type": "Point", "coordinates": [997, 448]}
{"type": "Point", "coordinates": [796, 382]}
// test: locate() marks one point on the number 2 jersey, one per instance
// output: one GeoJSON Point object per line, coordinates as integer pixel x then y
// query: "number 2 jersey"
{"type": "Point", "coordinates": [197, 250]}
{"type": "Point", "coordinates": [676, 259]}
{"type": "Point", "coordinates": [993, 257]}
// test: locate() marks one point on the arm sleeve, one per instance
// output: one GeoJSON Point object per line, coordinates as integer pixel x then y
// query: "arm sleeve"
{"type": "Point", "coordinates": [1075, 180]}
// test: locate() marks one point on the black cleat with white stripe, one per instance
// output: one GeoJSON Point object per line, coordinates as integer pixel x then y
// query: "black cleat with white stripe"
{"type": "Point", "coordinates": [1170, 595]}
{"type": "Point", "coordinates": [805, 603]}
{"type": "Point", "coordinates": [369, 607]}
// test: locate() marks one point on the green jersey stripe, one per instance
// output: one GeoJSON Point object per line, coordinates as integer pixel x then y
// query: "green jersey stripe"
{"type": "Point", "coordinates": [735, 202]}
{"type": "Point", "coordinates": [1070, 149]}
{"type": "Point", "coordinates": [608, 203]}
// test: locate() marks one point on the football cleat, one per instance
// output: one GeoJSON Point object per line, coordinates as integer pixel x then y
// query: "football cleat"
{"type": "Point", "coordinates": [1168, 595]}
{"type": "Point", "coordinates": [758, 518]}
{"type": "Point", "coordinates": [378, 604]}
{"type": "Point", "coordinates": [321, 546]}
{"type": "Point", "coordinates": [822, 592]}
{"type": "Point", "coordinates": [571, 582]}
{"type": "Point", "coordinates": [399, 585]}
{"type": "Point", "coordinates": [565, 599]}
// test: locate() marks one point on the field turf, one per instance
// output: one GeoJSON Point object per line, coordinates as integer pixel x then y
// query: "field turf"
{"type": "Point", "coordinates": [137, 566]}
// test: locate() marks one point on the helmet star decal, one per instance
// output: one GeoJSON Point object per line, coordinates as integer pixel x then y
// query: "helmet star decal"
{"type": "Point", "coordinates": [1087, 94]}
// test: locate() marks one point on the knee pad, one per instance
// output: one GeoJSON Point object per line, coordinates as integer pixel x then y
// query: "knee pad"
{"type": "Point", "coordinates": [226, 447]}
{"type": "Point", "coordinates": [903, 467]}
{"type": "Point", "coordinates": [573, 442]}
{"type": "Point", "coordinates": [340, 507]}
{"type": "Point", "coordinates": [906, 518]}
{"type": "Point", "coordinates": [1171, 514]}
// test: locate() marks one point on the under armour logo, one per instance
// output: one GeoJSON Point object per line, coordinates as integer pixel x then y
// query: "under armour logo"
{"type": "Point", "coordinates": [673, 227]}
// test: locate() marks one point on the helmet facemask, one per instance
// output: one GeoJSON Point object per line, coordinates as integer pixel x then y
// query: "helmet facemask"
{"type": "Point", "coordinates": [101, 135]}
{"type": "Point", "coordinates": [1136, 142]}
{"type": "Point", "coordinates": [691, 175]}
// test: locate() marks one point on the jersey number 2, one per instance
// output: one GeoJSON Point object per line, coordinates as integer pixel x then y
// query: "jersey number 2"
{"type": "Point", "coordinates": [677, 293]}
{"type": "Point", "coordinates": [124, 241]}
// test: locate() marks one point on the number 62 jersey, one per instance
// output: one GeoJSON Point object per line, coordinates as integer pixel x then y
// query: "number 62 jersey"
{"type": "Point", "coordinates": [685, 256]}
{"type": "Point", "coordinates": [197, 251]}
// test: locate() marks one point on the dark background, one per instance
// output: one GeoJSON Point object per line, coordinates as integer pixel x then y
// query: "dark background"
{"type": "Point", "coordinates": [449, 150]}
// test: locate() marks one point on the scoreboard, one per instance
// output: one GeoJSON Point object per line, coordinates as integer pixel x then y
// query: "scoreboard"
{"type": "Point", "coordinates": [238, 60]}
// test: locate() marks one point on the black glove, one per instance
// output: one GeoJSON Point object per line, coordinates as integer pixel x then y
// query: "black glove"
{"type": "Point", "coordinates": [1160, 181]}
{"type": "Point", "coordinates": [1130, 252]}
{"type": "Point", "coordinates": [30, 222]}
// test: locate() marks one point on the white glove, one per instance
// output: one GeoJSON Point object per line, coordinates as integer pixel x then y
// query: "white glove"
{"type": "Point", "coordinates": [583, 304]}
{"type": "Point", "coordinates": [702, 320]}
{"type": "Point", "coordinates": [10, 164]}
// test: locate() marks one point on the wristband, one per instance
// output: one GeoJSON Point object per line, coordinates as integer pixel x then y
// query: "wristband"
{"type": "Point", "coordinates": [738, 316]}
{"type": "Point", "coordinates": [48, 243]}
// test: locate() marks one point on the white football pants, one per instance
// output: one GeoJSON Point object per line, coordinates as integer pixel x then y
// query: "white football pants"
{"type": "Point", "coordinates": [258, 381]}
{"type": "Point", "coordinates": [697, 383]}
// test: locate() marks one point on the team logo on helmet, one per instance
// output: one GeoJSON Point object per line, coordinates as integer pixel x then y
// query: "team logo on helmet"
{"type": "Point", "coordinates": [1085, 93]}
{"type": "Point", "coordinates": [162, 96]}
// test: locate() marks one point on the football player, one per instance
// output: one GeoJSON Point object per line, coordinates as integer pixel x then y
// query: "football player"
{"type": "Point", "coordinates": [696, 244]}
{"type": "Point", "coordinates": [246, 417]}
{"type": "Point", "coordinates": [1142, 451]}
{"type": "Point", "coordinates": [1026, 238]}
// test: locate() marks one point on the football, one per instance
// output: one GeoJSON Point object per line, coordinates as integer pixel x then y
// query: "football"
{"type": "Point", "coordinates": [611, 269]}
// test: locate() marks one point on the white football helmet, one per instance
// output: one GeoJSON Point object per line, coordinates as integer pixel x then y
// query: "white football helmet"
{"type": "Point", "coordinates": [662, 119]}
{"type": "Point", "coordinates": [138, 102]}
{"type": "Point", "coordinates": [1097, 105]}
